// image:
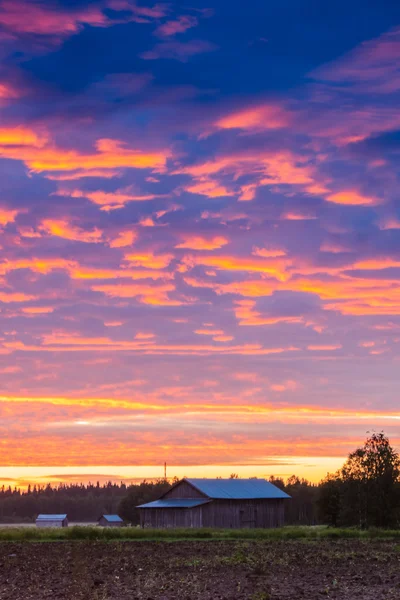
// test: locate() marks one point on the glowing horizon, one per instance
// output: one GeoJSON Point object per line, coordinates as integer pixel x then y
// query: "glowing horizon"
{"type": "Point", "coordinates": [200, 256]}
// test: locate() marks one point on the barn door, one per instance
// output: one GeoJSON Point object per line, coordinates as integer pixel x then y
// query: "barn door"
{"type": "Point", "coordinates": [248, 516]}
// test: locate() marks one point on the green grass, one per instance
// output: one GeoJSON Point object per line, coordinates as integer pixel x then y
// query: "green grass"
{"type": "Point", "coordinates": [136, 534]}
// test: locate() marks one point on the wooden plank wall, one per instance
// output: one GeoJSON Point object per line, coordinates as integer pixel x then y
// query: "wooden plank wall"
{"type": "Point", "coordinates": [229, 514]}
{"type": "Point", "coordinates": [184, 490]}
{"type": "Point", "coordinates": [171, 517]}
{"type": "Point", "coordinates": [243, 513]}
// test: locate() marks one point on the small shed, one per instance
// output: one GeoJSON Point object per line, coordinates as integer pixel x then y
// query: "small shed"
{"type": "Point", "coordinates": [225, 503]}
{"type": "Point", "coordinates": [110, 521]}
{"type": "Point", "coordinates": [52, 521]}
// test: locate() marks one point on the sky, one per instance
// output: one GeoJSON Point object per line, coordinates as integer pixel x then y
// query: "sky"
{"type": "Point", "coordinates": [199, 236]}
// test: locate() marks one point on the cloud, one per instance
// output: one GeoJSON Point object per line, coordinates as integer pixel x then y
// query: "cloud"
{"type": "Point", "coordinates": [232, 233]}
{"type": "Point", "coordinates": [108, 200]}
{"type": "Point", "coordinates": [267, 168]}
{"type": "Point", "coordinates": [208, 187]}
{"type": "Point", "coordinates": [258, 118]}
{"type": "Point", "coordinates": [274, 267]}
{"type": "Point", "coordinates": [64, 229]}
{"type": "Point", "coordinates": [352, 198]}
{"type": "Point", "coordinates": [7, 216]}
{"type": "Point", "coordinates": [180, 25]}
{"type": "Point", "coordinates": [149, 260]}
{"type": "Point", "coordinates": [372, 66]}
{"type": "Point", "coordinates": [199, 242]}
{"type": "Point", "coordinates": [123, 239]}
{"type": "Point", "coordinates": [146, 293]}
{"type": "Point", "coordinates": [57, 22]}
{"type": "Point", "coordinates": [40, 155]}
{"type": "Point", "coordinates": [181, 51]}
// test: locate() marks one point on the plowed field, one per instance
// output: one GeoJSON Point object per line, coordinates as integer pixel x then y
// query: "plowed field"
{"type": "Point", "coordinates": [191, 570]}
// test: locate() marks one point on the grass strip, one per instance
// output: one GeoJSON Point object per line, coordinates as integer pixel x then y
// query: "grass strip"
{"type": "Point", "coordinates": [11, 534]}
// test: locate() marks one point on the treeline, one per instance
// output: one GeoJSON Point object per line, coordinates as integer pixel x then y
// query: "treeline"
{"type": "Point", "coordinates": [364, 493]}
{"type": "Point", "coordinates": [87, 502]}
{"type": "Point", "coordinates": [80, 502]}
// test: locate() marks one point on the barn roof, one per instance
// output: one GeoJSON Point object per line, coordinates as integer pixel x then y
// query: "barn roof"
{"type": "Point", "coordinates": [112, 518]}
{"type": "Point", "coordinates": [51, 517]}
{"type": "Point", "coordinates": [237, 489]}
{"type": "Point", "coordinates": [175, 503]}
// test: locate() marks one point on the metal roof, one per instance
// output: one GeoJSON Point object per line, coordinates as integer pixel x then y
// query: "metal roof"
{"type": "Point", "coordinates": [112, 518]}
{"type": "Point", "coordinates": [175, 503]}
{"type": "Point", "coordinates": [51, 517]}
{"type": "Point", "coordinates": [237, 489]}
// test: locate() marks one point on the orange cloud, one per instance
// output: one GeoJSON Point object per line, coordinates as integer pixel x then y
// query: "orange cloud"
{"type": "Point", "coordinates": [123, 239]}
{"type": "Point", "coordinates": [324, 347]}
{"type": "Point", "coordinates": [297, 216]}
{"type": "Point", "coordinates": [108, 200]}
{"type": "Point", "coordinates": [376, 263]}
{"type": "Point", "coordinates": [334, 247]}
{"type": "Point", "coordinates": [223, 338]}
{"type": "Point", "coordinates": [72, 343]}
{"type": "Point", "coordinates": [144, 336]}
{"type": "Point", "coordinates": [247, 315]}
{"type": "Point", "coordinates": [247, 192]}
{"type": "Point", "coordinates": [78, 272]}
{"type": "Point", "coordinates": [38, 265]}
{"type": "Point", "coordinates": [149, 260]}
{"type": "Point", "coordinates": [40, 155]}
{"type": "Point", "coordinates": [7, 216]}
{"type": "Point", "coordinates": [209, 331]}
{"type": "Point", "coordinates": [198, 242]}
{"type": "Point", "coordinates": [352, 198]}
{"type": "Point", "coordinates": [256, 118]}
{"type": "Point", "coordinates": [389, 223]}
{"type": "Point", "coordinates": [274, 267]}
{"type": "Point", "coordinates": [208, 187]}
{"type": "Point", "coordinates": [288, 385]}
{"type": "Point", "coordinates": [38, 310]}
{"type": "Point", "coordinates": [102, 173]}
{"type": "Point", "coordinates": [15, 297]}
{"type": "Point", "coordinates": [63, 229]}
{"type": "Point", "coordinates": [12, 137]}
{"type": "Point", "coordinates": [146, 293]}
{"type": "Point", "coordinates": [271, 168]}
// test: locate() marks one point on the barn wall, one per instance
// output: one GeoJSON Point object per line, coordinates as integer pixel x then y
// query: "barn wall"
{"type": "Point", "coordinates": [184, 490]}
{"type": "Point", "coordinates": [236, 514]}
{"type": "Point", "coordinates": [170, 517]}
{"type": "Point", "coordinates": [57, 523]}
{"type": "Point", "coordinates": [227, 514]}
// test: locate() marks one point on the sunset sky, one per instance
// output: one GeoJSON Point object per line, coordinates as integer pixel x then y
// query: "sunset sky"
{"type": "Point", "coordinates": [199, 236]}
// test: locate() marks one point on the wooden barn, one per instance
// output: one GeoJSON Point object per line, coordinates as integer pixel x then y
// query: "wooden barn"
{"type": "Point", "coordinates": [52, 521]}
{"type": "Point", "coordinates": [227, 503]}
{"type": "Point", "coordinates": [110, 521]}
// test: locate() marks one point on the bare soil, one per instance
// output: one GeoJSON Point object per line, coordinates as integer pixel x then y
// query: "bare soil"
{"type": "Point", "coordinates": [196, 570]}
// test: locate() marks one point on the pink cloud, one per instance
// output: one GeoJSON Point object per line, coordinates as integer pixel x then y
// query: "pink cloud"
{"type": "Point", "coordinates": [199, 242]}
{"type": "Point", "coordinates": [180, 25]}
{"type": "Point", "coordinates": [180, 51]}
{"type": "Point", "coordinates": [372, 66]}
{"type": "Point", "coordinates": [258, 118]}
{"type": "Point", "coordinates": [38, 18]}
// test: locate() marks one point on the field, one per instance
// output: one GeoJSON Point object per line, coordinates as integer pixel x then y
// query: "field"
{"type": "Point", "coordinates": [246, 569]}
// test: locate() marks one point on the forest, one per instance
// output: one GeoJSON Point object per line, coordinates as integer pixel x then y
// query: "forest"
{"type": "Point", "coordinates": [364, 493]}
